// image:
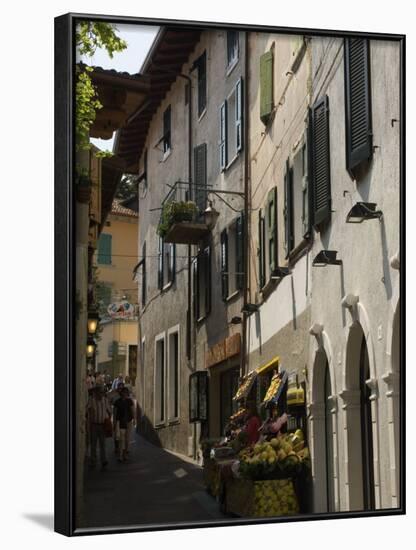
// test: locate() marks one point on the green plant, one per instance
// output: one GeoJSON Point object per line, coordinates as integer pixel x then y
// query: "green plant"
{"type": "Point", "coordinates": [175, 212]}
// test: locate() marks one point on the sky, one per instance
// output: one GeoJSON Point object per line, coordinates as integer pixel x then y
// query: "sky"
{"type": "Point", "coordinates": [139, 38]}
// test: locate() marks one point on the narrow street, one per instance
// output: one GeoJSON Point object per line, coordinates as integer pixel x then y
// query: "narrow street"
{"type": "Point", "coordinates": [154, 486]}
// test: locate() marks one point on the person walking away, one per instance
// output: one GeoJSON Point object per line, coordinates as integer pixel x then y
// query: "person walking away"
{"type": "Point", "coordinates": [117, 381]}
{"type": "Point", "coordinates": [124, 415]}
{"type": "Point", "coordinates": [98, 410]}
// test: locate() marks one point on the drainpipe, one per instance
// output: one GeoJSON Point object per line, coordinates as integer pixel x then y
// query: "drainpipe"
{"type": "Point", "coordinates": [247, 220]}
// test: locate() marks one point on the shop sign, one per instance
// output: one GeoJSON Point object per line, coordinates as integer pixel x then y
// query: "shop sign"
{"type": "Point", "coordinates": [121, 310]}
{"type": "Point", "coordinates": [229, 347]}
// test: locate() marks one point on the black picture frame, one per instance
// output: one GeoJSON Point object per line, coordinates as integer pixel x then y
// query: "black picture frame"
{"type": "Point", "coordinates": [65, 271]}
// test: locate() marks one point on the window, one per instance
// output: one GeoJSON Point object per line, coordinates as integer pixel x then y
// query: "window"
{"type": "Point", "coordinates": [358, 123]}
{"type": "Point", "coordinates": [262, 250]}
{"type": "Point", "coordinates": [231, 126]}
{"type": "Point", "coordinates": [202, 283]}
{"type": "Point", "coordinates": [104, 249]}
{"type": "Point", "coordinates": [159, 391]}
{"type": "Point", "coordinates": [266, 87]}
{"type": "Point", "coordinates": [144, 277]}
{"type": "Point", "coordinates": [200, 176]}
{"type": "Point", "coordinates": [232, 48]}
{"type": "Point", "coordinates": [201, 65]}
{"type": "Point", "coordinates": [272, 229]}
{"type": "Point", "coordinates": [198, 396]}
{"type": "Point", "coordinates": [167, 130]}
{"type": "Point", "coordinates": [166, 264]}
{"type": "Point", "coordinates": [321, 195]}
{"type": "Point", "coordinates": [232, 258]}
{"type": "Point", "coordinates": [173, 374]}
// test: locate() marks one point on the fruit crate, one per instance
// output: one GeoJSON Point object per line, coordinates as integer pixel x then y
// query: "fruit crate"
{"type": "Point", "coordinates": [261, 499]}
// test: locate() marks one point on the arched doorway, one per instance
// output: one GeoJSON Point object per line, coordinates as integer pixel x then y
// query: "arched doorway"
{"type": "Point", "coordinates": [359, 422]}
{"type": "Point", "coordinates": [323, 432]}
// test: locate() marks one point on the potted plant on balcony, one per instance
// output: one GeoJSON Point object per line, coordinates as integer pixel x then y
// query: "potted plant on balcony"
{"type": "Point", "coordinates": [176, 212]}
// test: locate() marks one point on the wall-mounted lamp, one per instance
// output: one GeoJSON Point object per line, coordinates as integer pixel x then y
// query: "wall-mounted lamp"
{"type": "Point", "coordinates": [91, 345]}
{"type": "Point", "coordinates": [363, 211]}
{"type": "Point", "coordinates": [279, 273]}
{"type": "Point", "coordinates": [92, 322]}
{"type": "Point", "coordinates": [236, 320]}
{"type": "Point", "coordinates": [250, 308]}
{"type": "Point", "coordinates": [349, 300]}
{"type": "Point", "coordinates": [326, 257]}
{"type": "Point", "coordinates": [211, 216]}
{"type": "Point", "coordinates": [395, 261]}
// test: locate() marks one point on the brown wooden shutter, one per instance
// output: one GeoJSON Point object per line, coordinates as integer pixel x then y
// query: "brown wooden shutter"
{"type": "Point", "coordinates": [358, 124]}
{"type": "Point", "coordinates": [266, 86]}
{"type": "Point", "coordinates": [321, 162]}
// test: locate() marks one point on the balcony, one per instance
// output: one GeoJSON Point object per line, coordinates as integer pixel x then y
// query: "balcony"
{"type": "Point", "coordinates": [182, 220]}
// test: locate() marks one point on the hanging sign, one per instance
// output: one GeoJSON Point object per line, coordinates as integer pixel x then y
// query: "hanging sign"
{"type": "Point", "coordinates": [121, 310]}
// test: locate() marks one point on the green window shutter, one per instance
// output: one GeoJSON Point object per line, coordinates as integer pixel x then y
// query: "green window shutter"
{"type": "Point", "coordinates": [104, 249]}
{"type": "Point", "coordinates": [321, 195]}
{"type": "Point", "coordinates": [207, 267]}
{"type": "Point", "coordinates": [200, 176]}
{"type": "Point", "coordinates": [358, 123]}
{"type": "Point", "coordinates": [224, 264]}
{"type": "Point", "coordinates": [261, 251]}
{"type": "Point", "coordinates": [288, 210]}
{"type": "Point", "coordinates": [239, 252]}
{"type": "Point", "coordinates": [239, 114]}
{"type": "Point", "coordinates": [272, 228]}
{"type": "Point", "coordinates": [223, 136]}
{"type": "Point", "coordinates": [266, 86]}
{"type": "Point", "coordinates": [160, 264]}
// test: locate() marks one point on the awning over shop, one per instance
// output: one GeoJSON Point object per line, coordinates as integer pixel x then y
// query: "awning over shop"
{"type": "Point", "coordinates": [273, 364]}
{"type": "Point", "coordinates": [245, 386]}
{"type": "Point", "coordinates": [275, 389]}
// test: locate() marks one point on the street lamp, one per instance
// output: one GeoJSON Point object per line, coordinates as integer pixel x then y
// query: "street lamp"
{"type": "Point", "coordinates": [91, 345]}
{"type": "Point", "coordinates": [363, 211]}
{"type": "Point", "coordinates": [211, 216]}
{"type": "Point", "coordinates": [92, 322]}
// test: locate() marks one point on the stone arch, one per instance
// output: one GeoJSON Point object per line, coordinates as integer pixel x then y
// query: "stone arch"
{"type": "Point", "coordinates": [359, 348]}
{"type": "Point", "coordinates": [323, 428]}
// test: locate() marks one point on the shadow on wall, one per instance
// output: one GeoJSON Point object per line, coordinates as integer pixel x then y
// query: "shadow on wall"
{"type": "Point", "coordinates": [146, 429]}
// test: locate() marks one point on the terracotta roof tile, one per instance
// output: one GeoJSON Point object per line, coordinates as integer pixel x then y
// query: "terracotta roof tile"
{"type": "Point", "coordinates": [119, 210]}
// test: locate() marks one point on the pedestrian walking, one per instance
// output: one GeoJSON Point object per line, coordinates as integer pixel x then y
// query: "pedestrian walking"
{"type": "Point", "coordinates": [124, 417]}
{"type": "Point", "coordinates": [117, 381]}
{"type": "Point", "coordinates": [98, 411]}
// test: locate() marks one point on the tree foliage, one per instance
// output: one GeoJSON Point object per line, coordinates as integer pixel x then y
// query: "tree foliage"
{"type": "Point", "coordinates": [127, 187]}
{"type": "Point", "coordinates": [90, 36]}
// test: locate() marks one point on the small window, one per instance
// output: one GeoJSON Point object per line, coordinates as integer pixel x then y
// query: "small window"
{"type": "Point", "coordinates": [232, 258]}
{"type": "Point", "coordinates": [104, 249]}
{"type": "Point", "coordinates": [166, 264]}
{"type": "Point", "coordinates": [201, 64]}
{"type": "Point", "coordinates": [198, 396]}
{"type": "Point", "coordinates": [232, 48]}
{"type": "Point", "coordinates": [231, 126]}
{"type": "Point", "coordinates": [159, 381]}
{"type": "Point", "coordinates": [173, 375]}
{"type": "Point", "coordinates": [167, 130]}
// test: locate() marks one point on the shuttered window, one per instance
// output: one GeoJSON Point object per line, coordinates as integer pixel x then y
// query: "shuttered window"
{"type": "Point", "coordinates": [307, 180]}
{"type": "Point", "coordinates": [200, 176]}
{"type": "Point", "coordinates": [166, 264]}
{"type": "Point", "coordinates": [357, 102]}
{"type": "Point", "coordinates": [104, 249]}
{"type": "Point", "coordinates": [272, 228]}
{"type": "Point", "coordinates": [288, 209]}
{"type": "Point", "coordinates": [321, 162]}
{"type": "Point", "coordinates": [160, 265]}
{"type": "Point", "coordinates": [167, 130]}
{"type": "Point", "coordinates": [224, 264]}
{"type": "Point", "coordinates": [266, 86]}
{"type": "Point", "coordinates": [144, 277]}
{"type": "Point", "coordinates": [202, 283]}
{"type": "Point", "coordinates": [223, 136]}
{"type": "Point", "coordinates": [262, 250]}
{"type": "Point", "coordinates": [239, 114]}
{"type": "Point", "coordinates": [201, 64]}
{"type": "Point", "coordinates": [239, 252]}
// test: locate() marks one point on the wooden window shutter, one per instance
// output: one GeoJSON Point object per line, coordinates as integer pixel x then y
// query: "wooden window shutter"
{"type": "Point", "coordinates": [266, 86]}
{"type": "Point", "coordinates": [223, 136]}
{"type": "Point", "coordinates": [160, 264]}
{"type": "Point", "coordinates": [307, 187]}
{"type": "Point", "coordinates": [196, 286]}
{"type": "Point", "coordinates": [261, 251]}
{"type": "Point", "coordinates": [358, 124]}
{"type": "Point", "coordinates": [321, 162]}
{"type": "Point", "coordinates": [202, 83]}
{"type": "Point", "coordinates": [239, 253]}
{"type": "Point", "coordinates": [207, 267]}
{"type": "Point", "coordinates": [224, 264]}
{"type": "Point", "coordinates": [288, 210]}
{"type": "Point", "coordinates": [104, 249]}
{"type": "Point", "coordinates": [239, 114]}
{"type": "Point", "coordinates": [200, 175]}
{"type": "Point", "coordinates": [272, 227]}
